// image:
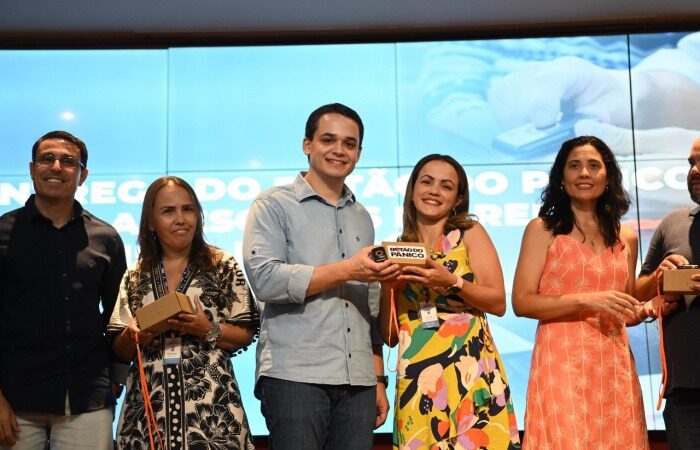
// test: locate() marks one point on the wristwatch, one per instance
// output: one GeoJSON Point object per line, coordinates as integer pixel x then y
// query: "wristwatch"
{"type": "Point", "coordinates": [383, 379]}
{"type": "Point", "coordinates": [214, 333]}
{"type": "Point", "coordinates": [457, 287]}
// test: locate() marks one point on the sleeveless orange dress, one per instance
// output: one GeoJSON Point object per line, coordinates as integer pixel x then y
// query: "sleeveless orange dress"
{"type": "Point", "coordinates": [583, 391]}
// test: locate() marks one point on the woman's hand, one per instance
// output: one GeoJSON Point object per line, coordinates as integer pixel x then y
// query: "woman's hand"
{"type": "Point", "coordinates": [618, 304]}
{"type": "Point", "coordinates": [197, 324]}
{"type": "Point", "coordinates": [133, 330]}
{"type": "Point", "coordinates": [434, 275]}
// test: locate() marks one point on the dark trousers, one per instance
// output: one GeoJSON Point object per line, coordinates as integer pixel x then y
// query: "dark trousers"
{"type": "Point", "coordinates": [303, 416]}
{"type": "Point", "coordinates": [682, 418]}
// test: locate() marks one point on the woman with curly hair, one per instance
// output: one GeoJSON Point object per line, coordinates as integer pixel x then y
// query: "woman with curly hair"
{"type": "Point", "coordinates": [193, 391]}
{"type": "Point", "coordinates": [575, 275]}
{"type": "Point", "coordinates": [452, 391]}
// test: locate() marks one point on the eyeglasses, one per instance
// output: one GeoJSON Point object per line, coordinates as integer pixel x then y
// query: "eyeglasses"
{"type": "Point", "coordinates": [48, 159]}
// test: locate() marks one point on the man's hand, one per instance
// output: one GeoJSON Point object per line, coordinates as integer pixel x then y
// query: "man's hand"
{"type": "Point", "coordinates": [364, 269]}
{"type": "Point", "coordinates": [668, 304]}
{"type": "Point", "coordinates": [9, 426]}
{"type": "Point", "coordinates": [671, 262]}
{"type": "Point", "coordinates": [382, 406]}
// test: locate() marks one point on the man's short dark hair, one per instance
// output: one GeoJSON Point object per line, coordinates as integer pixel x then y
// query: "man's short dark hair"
{"type": "Point", "coordinates": [332, 108]}
{"type": "Point", "coordinates": [66, 136]}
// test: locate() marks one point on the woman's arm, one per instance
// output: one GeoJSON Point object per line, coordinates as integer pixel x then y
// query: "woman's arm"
{"type": "Point", "coordinates": [234, 337]}
{"type": "Point", "coordinates": [526, 300]}
{"type": "Point", "coordinates": [487, 294]}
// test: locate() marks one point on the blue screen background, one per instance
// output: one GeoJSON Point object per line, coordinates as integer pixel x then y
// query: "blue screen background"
{"type": "Point", "coordinates": [230, 120]}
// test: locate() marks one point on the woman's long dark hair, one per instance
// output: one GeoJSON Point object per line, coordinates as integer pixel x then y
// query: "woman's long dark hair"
{"type": "Point", "coordinates": [202, 255]}
{"type": "Point", "coordinates": [459, 218]}
{"type": "Point", "coordinates": [610, 207]}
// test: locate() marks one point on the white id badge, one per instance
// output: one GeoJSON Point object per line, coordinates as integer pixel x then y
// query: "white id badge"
{"type": "Point", "coordinates": [173, 350]}
{"type": "Point", "coordinates": [428, 315]}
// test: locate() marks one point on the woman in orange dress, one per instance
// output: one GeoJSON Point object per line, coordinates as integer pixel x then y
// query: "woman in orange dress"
{"type": "Point", "coordinates": [575, 275]}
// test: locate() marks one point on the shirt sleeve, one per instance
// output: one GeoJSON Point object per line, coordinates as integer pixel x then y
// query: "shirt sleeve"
{"type": "Point", "coordinates": [271, 277]}
{"type": "Point", "coordinates": [121, 314]}
{"type": "Point", "coordinates": [243, 310]}
{"type": "Point", "coordinates": [111, 279]}
{"type": "Point", "coordinates": [119, 319]}
{"type": "Point", "coordinates": [373, 297]}
{"type": "Point", "coordinates": [655, 253]}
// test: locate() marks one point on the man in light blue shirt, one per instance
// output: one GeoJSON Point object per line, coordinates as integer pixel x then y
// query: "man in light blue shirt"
{"type": "Point", "coordinates": [320, 375]}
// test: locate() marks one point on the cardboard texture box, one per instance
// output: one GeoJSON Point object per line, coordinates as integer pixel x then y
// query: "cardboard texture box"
{"type": "Point", "coordinates": [153, 317]}
{"type": "Point", "coordinates": [678, 281]}
{"type": "Point", "coordinates": [406, 253]}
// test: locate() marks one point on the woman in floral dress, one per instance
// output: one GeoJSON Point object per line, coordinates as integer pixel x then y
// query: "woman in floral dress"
{"type": "Point", "coordinates": [193, 391]}
{"type": "Point", "coordinates": [452, 390]}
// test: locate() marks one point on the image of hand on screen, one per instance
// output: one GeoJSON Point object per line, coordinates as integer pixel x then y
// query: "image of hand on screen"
{"type": "Point", "coordinates": [656, 96]}
{"type": "Point", "coordinates": [575, 275]}
{"type": "Point", "coordinates": [676, 242]}
{"type": "Point", "coordinates": [187, 368]}
{"type": "Point", "coordinates": [447, 358]}
{"type": "Point", "coordinates": [306, 251]}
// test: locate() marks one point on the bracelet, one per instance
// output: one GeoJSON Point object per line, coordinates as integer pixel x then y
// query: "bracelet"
{"type": "Point", "coordinates": [213, 335]}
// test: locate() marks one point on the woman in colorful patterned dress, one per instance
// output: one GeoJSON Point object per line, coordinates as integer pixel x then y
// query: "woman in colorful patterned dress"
{"type": "Point", "coordinates": [452, 391]}
{"type": "Point", "coordinates": [576, 276]}
{"type": "Point", "coordinates": [193, 390]}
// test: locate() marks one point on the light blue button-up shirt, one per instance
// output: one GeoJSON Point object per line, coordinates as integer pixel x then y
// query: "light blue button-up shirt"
{"type": "Point", "coordinates": [326, 338]}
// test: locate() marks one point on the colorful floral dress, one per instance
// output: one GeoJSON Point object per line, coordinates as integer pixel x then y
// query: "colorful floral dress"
{"type": "Point", "coordinates": [583, 391]}
{"type": "Point", "coordinates": [197, 403]}
{"type": "Point", "coordinates": [452, 391]}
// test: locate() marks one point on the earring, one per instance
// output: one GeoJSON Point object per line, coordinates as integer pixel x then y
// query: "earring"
{"type": "Point", "coordinates": [154, 236]}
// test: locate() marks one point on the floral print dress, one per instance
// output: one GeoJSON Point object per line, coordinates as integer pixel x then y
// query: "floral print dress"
{"type": "Point", "coordinates": [452, 390]}
{"type": "Point", "coordinates": [197, 403]}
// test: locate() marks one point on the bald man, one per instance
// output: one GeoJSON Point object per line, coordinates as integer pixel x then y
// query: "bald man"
{"type": "Point", "coordinates": [677, 242]}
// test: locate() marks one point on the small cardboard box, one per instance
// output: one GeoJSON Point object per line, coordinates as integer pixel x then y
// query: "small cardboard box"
{"type": "Point", "coordinates": [407, 253]}
{"type": "Point", "coordinates": [153, 317]}
{"type": "Point", "coordinates": [678, 281]}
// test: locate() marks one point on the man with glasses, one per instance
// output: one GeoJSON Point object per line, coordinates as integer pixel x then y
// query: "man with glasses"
{"type": "Point", "coordinates": [58, 262]}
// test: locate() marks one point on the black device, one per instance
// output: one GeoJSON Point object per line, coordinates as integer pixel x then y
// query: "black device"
{"type": "Point", "coordinates": [378, 254]}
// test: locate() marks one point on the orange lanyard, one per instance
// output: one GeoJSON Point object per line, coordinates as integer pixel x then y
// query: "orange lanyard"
{"type": "Point", "coordinates": [148, 407]}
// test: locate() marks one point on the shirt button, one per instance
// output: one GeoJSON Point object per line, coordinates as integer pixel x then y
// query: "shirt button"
{"type": "Point", "coordinates": [348, 330]}
{"type": "Point", "coordinates": [347, 305]}
{"type": "Point", "coordinates": [343, 255]}
{"type": "Point", "coordinates": [64, 275]}
{"type": "Point", "coordinates": [65, 298]}
{"type": "Point", "coordinates": [349, 355]}
{"type": "Point", "coordinates": [340, 231]}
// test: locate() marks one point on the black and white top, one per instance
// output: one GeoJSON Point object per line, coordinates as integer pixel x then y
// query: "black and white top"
{"type": "Point", "coordinates": [197, 403]}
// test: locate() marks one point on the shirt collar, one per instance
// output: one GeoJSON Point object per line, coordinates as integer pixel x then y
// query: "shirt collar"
{"type": "Point", "coordinates": [694, 211]}
{"type": "Point", "coordinates": [303, 191]}
{"type": "Point", "coordinates": [33, 213]}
